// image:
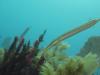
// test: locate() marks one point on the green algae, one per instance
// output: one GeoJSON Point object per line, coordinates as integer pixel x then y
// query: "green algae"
{"type": "Point", "coordinates": [57, 63]}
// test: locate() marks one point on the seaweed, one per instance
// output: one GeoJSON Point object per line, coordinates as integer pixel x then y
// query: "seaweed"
{"type": "Point", "coordinates": [78, 65]}
{"type": "Point", "coordinates": [18, 59]}
{"type": "Point", "coordinates": [22, 58]}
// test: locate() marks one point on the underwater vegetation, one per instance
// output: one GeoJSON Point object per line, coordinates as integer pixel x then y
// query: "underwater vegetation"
{"type": "Point", "coordinates": [22, 58]}
{"type": "Point", "coordinates": [59, 64]}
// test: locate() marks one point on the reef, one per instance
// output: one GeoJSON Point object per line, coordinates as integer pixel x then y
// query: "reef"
{"type": "Point", "coordinates": [22, 58]}
{"type": "Point", "coordinates": [91, 45]}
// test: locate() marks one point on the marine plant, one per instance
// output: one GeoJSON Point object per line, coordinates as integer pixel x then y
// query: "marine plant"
{"type": "Point", "coordinates": [18, 59]}
{"type": "Point", "coordinates": [57, 63]}
{"type": "Point", "coordinates": [22, 58]}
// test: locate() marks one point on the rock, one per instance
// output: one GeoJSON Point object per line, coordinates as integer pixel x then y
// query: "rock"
{"type": "Point", "coordinates": [92, 45]}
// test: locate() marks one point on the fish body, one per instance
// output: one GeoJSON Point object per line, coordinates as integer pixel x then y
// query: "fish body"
{"type": "Point", "coordinates": [73, 32]}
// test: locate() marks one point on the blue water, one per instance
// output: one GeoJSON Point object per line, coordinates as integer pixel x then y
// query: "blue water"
{"type": "Point", "coordinates": [57, 16]}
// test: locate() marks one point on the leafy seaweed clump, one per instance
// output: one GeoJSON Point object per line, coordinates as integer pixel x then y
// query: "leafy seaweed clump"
{"type": "Point", "coordinates": [58, 63]}
{"type": "Point", "coordinates": [19, 59]}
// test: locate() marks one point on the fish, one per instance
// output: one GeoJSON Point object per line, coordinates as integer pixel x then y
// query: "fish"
{"type": "Point", "coordinates": [73, 32]}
